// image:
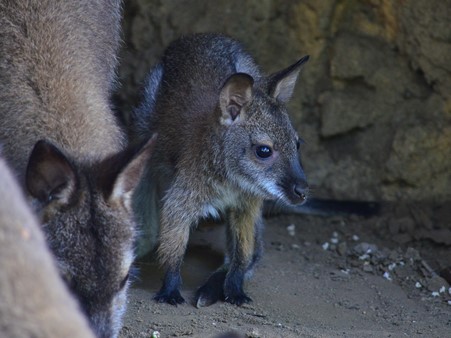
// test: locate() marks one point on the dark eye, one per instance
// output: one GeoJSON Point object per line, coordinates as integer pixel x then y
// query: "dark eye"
{"type": "Point", "coordinates": [263, 151]}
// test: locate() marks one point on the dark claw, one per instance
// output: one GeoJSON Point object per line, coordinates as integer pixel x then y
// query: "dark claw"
{"type": "Point", "coordinates": [233, 288]}
{"type": "Point", "coordinates": [173, 298]}
{"type": "Point", "coordinates": [238, 299]}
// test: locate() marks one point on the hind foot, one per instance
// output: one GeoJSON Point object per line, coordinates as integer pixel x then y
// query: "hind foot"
{"type": "Point", "coordinates": [173, 297]}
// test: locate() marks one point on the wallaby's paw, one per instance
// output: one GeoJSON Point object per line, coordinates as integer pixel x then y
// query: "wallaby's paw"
{"type": "Point", "coordinates": [208, 295]}
{"type": "Point", "coordinates": [238, 298]}
{"type": "Point", "coordinates": [174, 297]}
{"type": "Point", "coordinates": [212, 290]}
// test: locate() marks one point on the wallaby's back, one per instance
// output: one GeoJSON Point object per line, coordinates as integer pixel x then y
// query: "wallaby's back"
{"type": "Point", "coordinates": [61, 138]}
{"type": "Point", "coordinates": [195, 68]}
{"type": "Point", "coordinates": [34, 300]}
{"type": "Point", "coordinates": [57, 61]}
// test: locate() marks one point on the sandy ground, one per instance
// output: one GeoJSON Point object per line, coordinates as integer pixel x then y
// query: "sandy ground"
{"type": "Point", "coordinates": [319, 277]}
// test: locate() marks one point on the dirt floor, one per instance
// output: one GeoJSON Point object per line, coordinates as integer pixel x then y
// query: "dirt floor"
{"type": "Point", "coordinates": [383, 276]}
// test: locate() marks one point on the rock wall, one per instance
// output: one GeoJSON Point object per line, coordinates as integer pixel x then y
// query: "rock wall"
{"type": "Point", "coordinates": [373, 103]}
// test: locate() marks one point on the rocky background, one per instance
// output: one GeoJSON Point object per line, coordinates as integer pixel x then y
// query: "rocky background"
{"type": "Point", "coordinates": [374, 102]}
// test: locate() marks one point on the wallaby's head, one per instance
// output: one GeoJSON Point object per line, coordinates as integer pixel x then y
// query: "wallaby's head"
{"type": "Point", "coordinates": [86, 215]}
{"type": "Point", "coordinates": [261, 146]}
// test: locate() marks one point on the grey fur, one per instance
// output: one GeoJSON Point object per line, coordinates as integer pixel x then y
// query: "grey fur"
{"type": "Point", "coordinates": [213, 109]}
{"type": "Point", "coordinates": [141, 115]}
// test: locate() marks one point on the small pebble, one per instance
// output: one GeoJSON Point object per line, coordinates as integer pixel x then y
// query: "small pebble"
{"type": "Point", "coordinates": [442, 289]}
{"type": "Point", "coordinates": [355, 238]}
{"type": "Point", "coordinates": [365, 248]}
{"type": "Point", "coordinates": [334, 240]}
{"type": "Point", "coordinates": [325, 246]}
{"type": "Point", "coordinates": [364, 257]}
{"type": "Point", "coordinates": [254, 334]}
{"type": "Point", "coordinates": [392, 266]}
{"type": "Point", "coordinates": [386, 275]}
{"type": "Point", "coordinates": [291, 230]}
{"type": "Point", "coordinates": [418, 285]}
{"type": "Point", "coordinates": [435, 294]}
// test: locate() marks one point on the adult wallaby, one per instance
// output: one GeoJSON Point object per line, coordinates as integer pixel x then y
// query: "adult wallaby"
{"type": "Point", "coordinates": [225, 144]}
{"type": "Point", "coordinates": [34, 300]}
{"type": "Point", "coordinates": [60, 136]}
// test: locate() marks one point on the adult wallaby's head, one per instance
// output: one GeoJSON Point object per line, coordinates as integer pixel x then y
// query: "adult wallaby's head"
{"type": "Point", "coordinates": [261, 146]}
{"type": "Point", "coordinates": [34, 300]}
{"type": "Point", "coordinates": [87, 217]}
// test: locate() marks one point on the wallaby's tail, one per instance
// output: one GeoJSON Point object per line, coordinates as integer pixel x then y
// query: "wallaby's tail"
{"type": "Point", "coordinates": [146, 205]}
{"type": "Point", "coordinates": [141, 117]}
{"type": "Point", "coordinates": [324, 207]}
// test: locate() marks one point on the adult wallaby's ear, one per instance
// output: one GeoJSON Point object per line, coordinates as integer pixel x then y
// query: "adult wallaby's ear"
{"type": "Point", "coordinates": [236, 93]}
{"type": "Point", "coordinates": [281, 84]}
{"type": "Point", "coordinates": [50, 175]}
{"type": "Point", "coordinates": [129, 176]}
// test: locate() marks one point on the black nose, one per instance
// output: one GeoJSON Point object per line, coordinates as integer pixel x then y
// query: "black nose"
{"type": "Point", "coordinates": [300, 191]}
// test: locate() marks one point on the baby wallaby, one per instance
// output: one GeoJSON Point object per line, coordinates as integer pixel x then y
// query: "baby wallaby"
{"type": "Point", "coordinates": [225, 144]}
{"type": "Point", "coordinates": [61, 138]}
{"type": "Point", "coordinates": [34, 300]}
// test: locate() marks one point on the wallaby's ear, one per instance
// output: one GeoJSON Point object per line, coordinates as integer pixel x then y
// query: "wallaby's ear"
{"type": "Point", "coordinates": [128, 178]}
{"type": "Point", "coordinates": [50, 175]}
{"type": "Point", "coordinates": [281, 84]}
{"type": "Point", "coordinates": [236, 93]}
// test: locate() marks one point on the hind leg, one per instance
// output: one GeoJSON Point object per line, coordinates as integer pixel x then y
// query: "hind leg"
{"type": "Point", "coordinates": [258, 246]}
{"type": "Point", "coordinates": [172, 248]}
{"type": "Point", "coordinates": [244, 249]}
{"type": "Point", "coordinates": [175, 227]}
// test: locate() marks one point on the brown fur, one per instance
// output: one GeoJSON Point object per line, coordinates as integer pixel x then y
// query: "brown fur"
{"type": "Point", "coordinates": [215, 112]}
{"type": "Point", "coordinates": [34, 300]}
{"type": "Point", "coordinates": [57, 70]}
{"type": "Point", "coordinates": [242, 221]}
{"type": "Point", "coordinates": [61, 57]}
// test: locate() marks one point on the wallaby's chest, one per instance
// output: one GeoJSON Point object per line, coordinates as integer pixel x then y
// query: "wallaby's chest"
{"type": "Point", "coordinates": [224, 198]}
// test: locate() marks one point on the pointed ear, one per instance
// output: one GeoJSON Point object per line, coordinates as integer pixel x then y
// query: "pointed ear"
{"type": "Point", "coordinates": [236, 93]}
{"type": "Point", "coordinates": [50, 175]}
{"type": "Point", "coordinates": [281, 84]}
{"type": "Point", "coordinates": [128, 178]}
